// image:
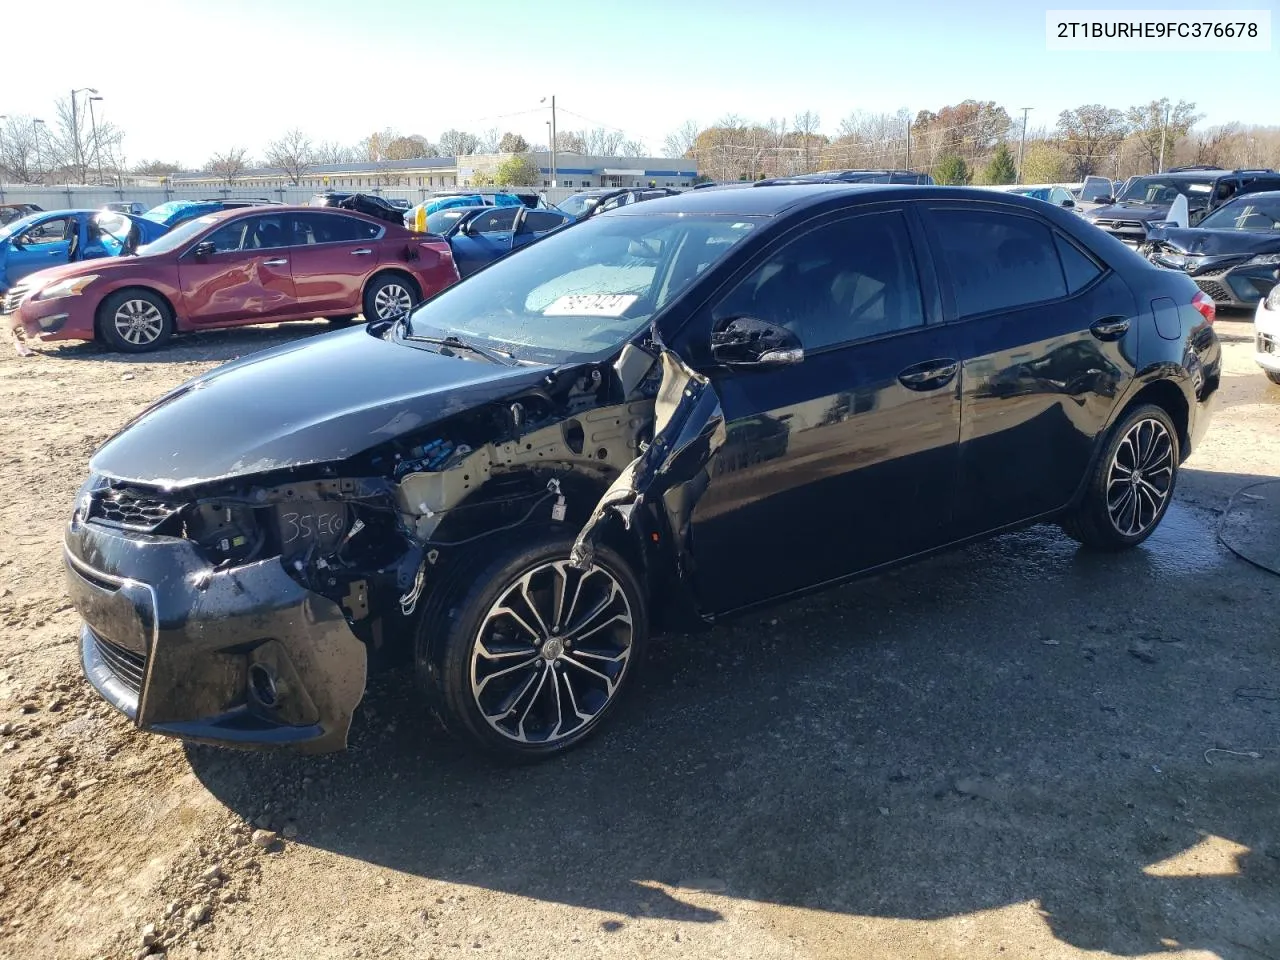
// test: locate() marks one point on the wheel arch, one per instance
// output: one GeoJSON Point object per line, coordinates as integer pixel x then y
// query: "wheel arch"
{"type": "Point", "coordinates": [388, 271]}
{"type": "Point", "coordinates": [99, 315]}
{"type": "Point", "coordinates": [1168, 394]}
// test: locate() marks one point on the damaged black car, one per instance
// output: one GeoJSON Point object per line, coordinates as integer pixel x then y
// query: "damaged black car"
{"type": "Point", "coordinates": [1233, 254]}
{"type": "Point", "coordinates": [672, 413]}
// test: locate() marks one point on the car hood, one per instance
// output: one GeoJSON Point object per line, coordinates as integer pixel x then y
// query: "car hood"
{"type": "Point", "coordinates": [1130, 211]}
{"type": "Point", "coordinates": [1216, 242]}
{"type": "Point", "coordinates": [42, 278]}
{"type": "Point", "coordinates": [320, 401]}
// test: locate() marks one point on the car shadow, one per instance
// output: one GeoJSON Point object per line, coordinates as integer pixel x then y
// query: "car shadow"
{"type": "Point", "coordinates": [1016, 721]}
{"type": "Point", "coordinates": [204, 345]}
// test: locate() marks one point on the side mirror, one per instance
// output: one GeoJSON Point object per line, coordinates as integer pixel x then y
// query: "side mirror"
{"type": "Point", "coordinates": [746, 343]}
{"type": "Point", "coordinates": [205, 249]}
{"type": "Point", "coordinates": [1068, 203]}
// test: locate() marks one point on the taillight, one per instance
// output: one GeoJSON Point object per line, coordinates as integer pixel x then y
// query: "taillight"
{"type": "Point", "coordinates": [1204, 303]}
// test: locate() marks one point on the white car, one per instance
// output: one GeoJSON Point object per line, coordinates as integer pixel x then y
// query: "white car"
{"type": "Point", "coordinates": [1266, 330]}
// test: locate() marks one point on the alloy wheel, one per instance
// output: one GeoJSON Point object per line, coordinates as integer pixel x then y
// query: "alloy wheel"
{"type": "Point", "coordinates": [1140, 478]}
{"type": "Point", "coordinates": [391, 301]}
{"type": "Point", "coordinates": [551, 653]}
{"type": "Point", "coordinates": [138, 322]}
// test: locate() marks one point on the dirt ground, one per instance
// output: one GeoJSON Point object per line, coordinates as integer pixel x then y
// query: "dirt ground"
{"type": "Point", "coordinates": [1013, 750]}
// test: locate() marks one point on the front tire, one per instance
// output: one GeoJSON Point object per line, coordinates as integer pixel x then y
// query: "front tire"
{"type": "Point", "coordinates": [1273, 376]}
{"type": "Point", "coordinates": [135, 321]}
{"type": "Point", "coordinates": [526, 657]}
{"type": "Point", "coordinates": [1132, 485]}
{"type": "Point", "coordinates": [388, 296]}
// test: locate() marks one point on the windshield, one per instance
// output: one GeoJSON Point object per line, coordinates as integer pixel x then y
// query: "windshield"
{"type": "Point", "coordinates": [17, 226]}
{"type": "Point", "coordinates": [442, 220]}
{"type": "Point", "coordinates": [177, 237]}
{"type": "Point", "coordinates": [578, 204]}
{"type": "Point", "coordinates": [113, 225]}
{"type": "Point", "coordinates": [1253, 214]}
{"type": "Point", "coordinates": [1158, 191]}
{"type": "Point", "coordinates": [1038, 193]}
{"type": "Point", "coordinates": [581, 293]}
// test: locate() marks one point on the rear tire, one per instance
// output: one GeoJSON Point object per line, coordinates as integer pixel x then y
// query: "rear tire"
{"type": "Point", "coordinates": [1273, 376]}
{"type": "Point", "coordinates": [1132, 484]}
{"type": "Point", "coordinates": [511, 661]}
{"type": "Point", "coordinates": [389, 295]}
{"type": "Point", "coordinates": [134, 321]}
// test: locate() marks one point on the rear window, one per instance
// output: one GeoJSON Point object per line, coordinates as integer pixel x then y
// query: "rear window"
{"type": "Point", "coordinates": [997, 261]}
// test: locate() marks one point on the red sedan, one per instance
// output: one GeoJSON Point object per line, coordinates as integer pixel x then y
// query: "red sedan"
{"type": "Point", "coordinates": [237, 267]}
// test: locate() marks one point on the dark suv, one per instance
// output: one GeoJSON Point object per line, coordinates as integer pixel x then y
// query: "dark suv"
{"type": "Point", "coordinates": [1147, 200]}
{"type": "Point", "coordinates": [853, 176]}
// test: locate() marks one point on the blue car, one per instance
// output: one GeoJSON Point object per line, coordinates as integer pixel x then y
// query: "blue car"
{"type": "Point", "coordinates": [55, 237]}
{"type": "Point", "coordinates": [174, 212]}
{"type": "Point", "coordinates": [479, 235]}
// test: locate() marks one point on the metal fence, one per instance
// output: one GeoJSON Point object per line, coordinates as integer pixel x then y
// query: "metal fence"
{"type": "Point", "coordinates": [94, 197]}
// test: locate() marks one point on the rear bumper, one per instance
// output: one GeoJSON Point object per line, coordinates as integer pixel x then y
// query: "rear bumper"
{"type": "Point", "coordinates": [240, 657]}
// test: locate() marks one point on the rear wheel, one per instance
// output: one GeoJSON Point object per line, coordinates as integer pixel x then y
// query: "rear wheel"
{"type": "Point", "coordinates": [134, 321]}
{"type": "Point", "coordinates": [389, 296]}
{"type": "Point", "coordinates": [526, 656]}
{"type": "Point", "coordinates": [1132, 485]}
{"type": "Point", "coordinates": [1273, 376]}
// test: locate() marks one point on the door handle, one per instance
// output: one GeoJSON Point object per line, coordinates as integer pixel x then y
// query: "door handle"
{"type": "Point", "coordinates": [362, 252]}
{"type": "Point", "coordinates": [1110, 328]}
{"type": "Point", "coordinates": [929, 375]}
{"type": "Point", "coordinates": [274, 263]}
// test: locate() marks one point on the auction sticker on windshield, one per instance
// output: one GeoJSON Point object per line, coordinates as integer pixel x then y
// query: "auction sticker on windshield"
{"type": "Point", "coordinates": [591, 305]}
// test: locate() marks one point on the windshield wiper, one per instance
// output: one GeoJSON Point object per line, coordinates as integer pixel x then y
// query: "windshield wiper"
{"type": "Point", "coordinates": [455, 343]}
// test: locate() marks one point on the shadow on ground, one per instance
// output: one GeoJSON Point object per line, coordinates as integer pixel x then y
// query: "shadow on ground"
{"type": "Point", "coordinates": [1016, 721]}
{"type": "Point", "coordinates": [205, 345]}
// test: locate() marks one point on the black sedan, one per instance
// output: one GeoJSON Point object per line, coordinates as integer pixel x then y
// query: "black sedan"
{"type": "Point", "coordinates": [1234, 253]}
{"type": "Point", "coordinates": [668, 414]}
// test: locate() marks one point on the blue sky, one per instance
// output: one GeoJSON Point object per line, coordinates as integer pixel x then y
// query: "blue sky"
{"type": "Point", "coordinates": [340, 69]}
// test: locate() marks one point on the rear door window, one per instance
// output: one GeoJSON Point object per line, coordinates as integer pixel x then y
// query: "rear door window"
{"type": "Point", "coordinates": [997, 261]}
{"type": "Point", "coordinates": [314, 228]}
{"type": "Point", "coordinates": [539, 221]}
{"type": "Point", "coordinates": [497, 220]}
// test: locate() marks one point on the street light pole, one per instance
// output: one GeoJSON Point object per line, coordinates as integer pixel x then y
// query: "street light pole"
{"type": "Point", "coordinates": [36, 124]}
{"type": "Point", "coordinates": [1022, 143]}
{"type": "Point", "coordinates": [97, 151]}
{"type": "Point", "coordinates": [4, 118]}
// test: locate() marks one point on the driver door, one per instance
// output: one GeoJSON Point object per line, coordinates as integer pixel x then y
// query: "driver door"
{"type": "Point", "coordinates": [245, 279]}
{"type": "Point", "coordinates": [45, 244]}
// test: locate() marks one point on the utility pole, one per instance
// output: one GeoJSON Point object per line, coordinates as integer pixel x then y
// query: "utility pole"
{"type": "Point", "coordinates": [77, 156]}
{"type": "Point", "coordinates": [908, 166]}
{"type": "Point", "coordinates": [4, 118]}
{"type": "Point", "coordinates": [553, 139]}
{"type": "Point", "coordinates": [1022, 143]}
{"type": "Point", "coordinates": [1164, 135]}
{"type": "Point", "coordinates": [97, 151]}
{"type": "Point", "coordinates": [36, 124]}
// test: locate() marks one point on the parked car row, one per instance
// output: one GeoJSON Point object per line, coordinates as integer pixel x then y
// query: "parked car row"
{"type": "Point", "coordinates": [646, 421]}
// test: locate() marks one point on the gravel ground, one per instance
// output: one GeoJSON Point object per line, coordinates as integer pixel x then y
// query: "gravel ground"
{"type": "Point", "coordinates": [1016, 749]}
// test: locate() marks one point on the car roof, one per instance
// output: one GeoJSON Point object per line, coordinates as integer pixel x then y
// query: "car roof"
{"type": "Point", "coordinates": [234, 212]}
{"type": "Point", "coordinates": [771, 201]}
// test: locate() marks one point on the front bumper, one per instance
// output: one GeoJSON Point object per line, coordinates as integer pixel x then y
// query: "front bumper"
{"type": "Point", "coordinates": [66, 318]}
{"type": "Point", "coordinates": [1266, 333]}
{"type": "Point", "coordinates": [243, 657]}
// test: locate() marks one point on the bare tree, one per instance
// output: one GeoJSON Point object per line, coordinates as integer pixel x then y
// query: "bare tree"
{"type": "Point", "coordinates": [157, 168]}
{"type": "Point", "coordinates": [807, 125]}
{"type": "Point", "coordinates": [410, 148]}
{"type": "Point", "coordinates": [331, 151]}
{"type": "Point", "coordinates": [680, 142]}
{"type": "Point", "coordinates": [488, 141]}
{"type": "Point", "coordinates": [601, 142]}
{"type": "Point", "coordinates": [75, 148]}
{"type": "Point", "coordinates": [1090, 135]}
{"type": "Point", "coordinates": [1149, 131]}
{"type": "Point", "coordinates": [457, 143]}
{"type": "Point", "coordinates": [20, 151]}
{"type": "Point", "coordinates": [293, 154]}
{"type": "Point", "coordinates": [228, 166]}
{"type": "Point", "coordinates": [633, 148]}
{"type": "Point", "coordinates": [570, 141]}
